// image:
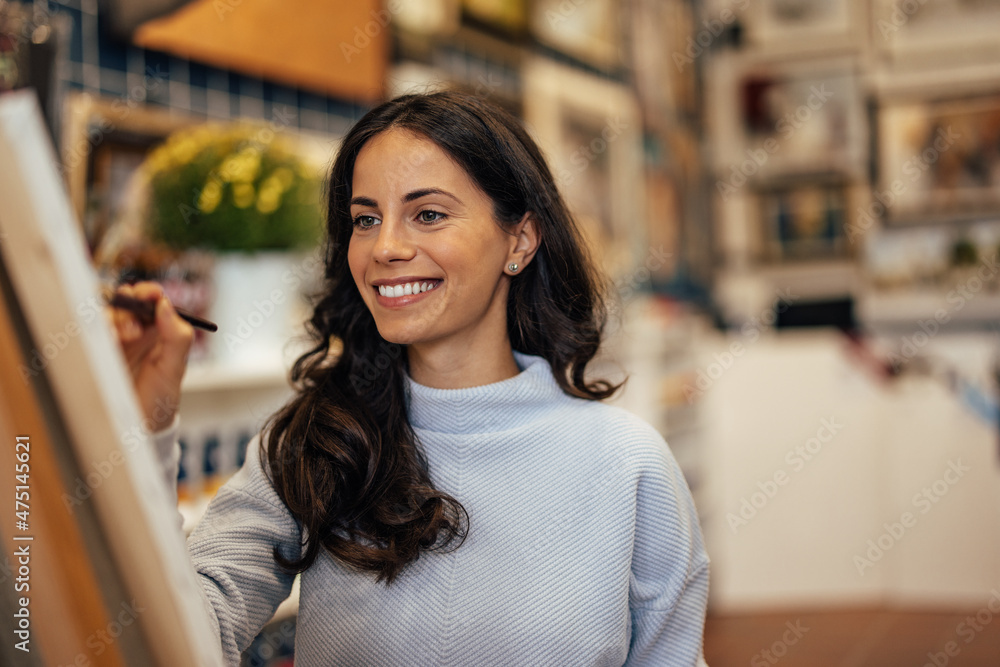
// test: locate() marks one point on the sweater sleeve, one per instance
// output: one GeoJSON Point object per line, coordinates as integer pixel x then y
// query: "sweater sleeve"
{"type": "Point", "coordinates": [167, 450]}
{"type": "Point", "coordinates": [668, 587]}
{"type": "Point", "coordinates": [232, 551]}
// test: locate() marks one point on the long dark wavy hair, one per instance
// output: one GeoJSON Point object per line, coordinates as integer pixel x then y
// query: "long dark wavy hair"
{"type": "Point", "coordinates": [342, 454]}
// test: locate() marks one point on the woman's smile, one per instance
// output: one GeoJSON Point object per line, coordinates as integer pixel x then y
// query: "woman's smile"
{"type": "Point", "coordinates": [403, 291]}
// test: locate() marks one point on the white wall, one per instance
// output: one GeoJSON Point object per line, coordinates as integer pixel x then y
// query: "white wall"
{"type": "Point", "coordinates": [885, 441]}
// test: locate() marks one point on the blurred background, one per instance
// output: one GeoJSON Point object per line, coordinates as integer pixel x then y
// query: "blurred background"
{"type": "Point", "coordinates": [797, 203]}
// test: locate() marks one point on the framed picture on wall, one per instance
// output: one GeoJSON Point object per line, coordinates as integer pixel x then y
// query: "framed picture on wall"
{"type": "Point", "coordinates": [962, 29]}
{"type": "Point", "coordinates": [104, 143]}
{"type": "Point", "coordinates": [804, 220]}
{"type": "Point", "coordinates": [430, 17]}
{"type": "Point", "coordinates": [505, 15]}
{"type": "Point", "coordinates": [804, 24]}
{"type": "Point", "coordinates": [591, 133]}
{"type": "Point", "coordinates": [667, 86]}
{"type": "Point", "coordinates": [588, 31]}
{"type": "Point", "coordinates": [664, 221]}
{"type": "Point", "coordinates": [939, 160]}
{"type": "Point", "coordinates": [774, 118]}
{"type": "Point", "coordinates": [801, 119]}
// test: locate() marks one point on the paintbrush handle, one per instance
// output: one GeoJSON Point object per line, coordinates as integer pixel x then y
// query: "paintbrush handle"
{"type": "Point", "coordinates": [145, 311]}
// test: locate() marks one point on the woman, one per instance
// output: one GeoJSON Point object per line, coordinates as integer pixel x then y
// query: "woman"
{"type": "Point", "coordinates": [446, 479]}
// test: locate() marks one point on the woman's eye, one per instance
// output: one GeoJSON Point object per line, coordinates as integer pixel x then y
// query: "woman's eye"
{"type": "Point", "coordinates": [429, 216]}
{"type": "Point", "coordinates": [365, 221]}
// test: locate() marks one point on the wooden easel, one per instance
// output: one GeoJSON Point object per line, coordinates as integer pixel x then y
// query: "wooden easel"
{"type": "Point", "coordinates": [65, 594]}
{"type": "Point", "coordinates": [110, 580]}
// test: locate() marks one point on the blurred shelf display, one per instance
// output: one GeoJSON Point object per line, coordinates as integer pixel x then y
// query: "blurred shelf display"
{"type": "Point", "coordinates": [958, 307]}
{"type": "Point", "coordinates": [823, 142]}
{"type": "Point", "coordinates": [956, 263]}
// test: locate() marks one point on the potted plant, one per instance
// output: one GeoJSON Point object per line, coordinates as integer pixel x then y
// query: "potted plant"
{"type": "Point", "coordinates": [244, 194]}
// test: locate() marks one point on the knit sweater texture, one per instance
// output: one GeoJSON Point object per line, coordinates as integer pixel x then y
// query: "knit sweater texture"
{"type": "Point", "coordinates": [583, 549]}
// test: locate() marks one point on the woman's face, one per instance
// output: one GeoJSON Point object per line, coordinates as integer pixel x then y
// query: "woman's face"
{"type": "Point", "coordinates": [426, 253]}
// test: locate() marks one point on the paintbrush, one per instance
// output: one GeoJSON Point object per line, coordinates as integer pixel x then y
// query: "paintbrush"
{"type": "Point", "coordinates": [145, 311]}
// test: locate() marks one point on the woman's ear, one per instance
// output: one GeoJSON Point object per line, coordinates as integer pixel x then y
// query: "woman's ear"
{"type": "Point", "coordinates": [524, 243]}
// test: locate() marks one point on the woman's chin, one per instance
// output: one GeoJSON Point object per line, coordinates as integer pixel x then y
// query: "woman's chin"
{"type": "Point", "coordinates": [398, 336]}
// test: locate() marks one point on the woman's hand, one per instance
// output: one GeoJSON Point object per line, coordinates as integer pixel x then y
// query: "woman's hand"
{"type": "Point", "coordinates": [156, 354]}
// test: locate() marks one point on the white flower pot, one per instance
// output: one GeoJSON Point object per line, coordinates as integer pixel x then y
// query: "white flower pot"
{"type": "Point", "coordinates": [256, 304]}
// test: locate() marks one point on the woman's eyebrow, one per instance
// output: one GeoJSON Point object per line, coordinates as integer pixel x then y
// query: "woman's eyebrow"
{"type": "Point", "coordinates": [417, 194]}
{"type": "Point", "coordinates": [364, 201]}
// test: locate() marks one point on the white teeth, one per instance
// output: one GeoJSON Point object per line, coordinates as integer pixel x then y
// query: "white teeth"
{"type": "Point", "coordinates": [406, 289]}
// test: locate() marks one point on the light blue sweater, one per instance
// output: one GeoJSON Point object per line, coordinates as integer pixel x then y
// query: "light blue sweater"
{"type": "Point", "coordinates": [584, 546]}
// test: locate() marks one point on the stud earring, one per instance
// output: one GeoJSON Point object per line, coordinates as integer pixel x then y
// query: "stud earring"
{"type": "Point", "coordinates": [513, 267]}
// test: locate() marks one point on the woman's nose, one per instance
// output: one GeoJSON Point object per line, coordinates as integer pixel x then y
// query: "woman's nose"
{"type": "Point", "coordinates": [393, 242]}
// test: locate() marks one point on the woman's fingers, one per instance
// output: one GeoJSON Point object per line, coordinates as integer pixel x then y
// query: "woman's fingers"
{"type": "Point", "coordinates": [146, 290]}
{"type": "Point", "coordinates": [176, 336]}
{"type": "Point", "coordinates": [136, 340]}
{"type": "Point", "coordinates": [156, 353]}
{"type": "Point", "coordinates": [127, 325]}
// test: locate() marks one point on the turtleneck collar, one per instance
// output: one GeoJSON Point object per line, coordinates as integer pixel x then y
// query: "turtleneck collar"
{"type": "Point", "coordinates": [499, 406]}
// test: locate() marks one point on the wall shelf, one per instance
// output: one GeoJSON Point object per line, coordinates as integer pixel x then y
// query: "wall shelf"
{"type": "Point", "coordinates": [209, 376]}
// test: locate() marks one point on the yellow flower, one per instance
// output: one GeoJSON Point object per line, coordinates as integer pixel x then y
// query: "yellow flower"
{"type": "Point", "coordinates": [268, 202]}
{"type": "Point", "coordinates": [243, 194]}
{"type": "Point", "coordinates": [241, 167]}
{"type": "Point", "coordinates": [210, 196]}
{"type": "Point", "coordinates": [270, 196]}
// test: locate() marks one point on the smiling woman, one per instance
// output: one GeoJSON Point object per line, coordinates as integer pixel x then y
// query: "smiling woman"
{"type": "Point", "coordinates": [447, 480]}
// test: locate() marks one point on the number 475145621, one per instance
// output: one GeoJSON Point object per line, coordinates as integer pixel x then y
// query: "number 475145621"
{"type": "Point", "coordinates": [22, 452]}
